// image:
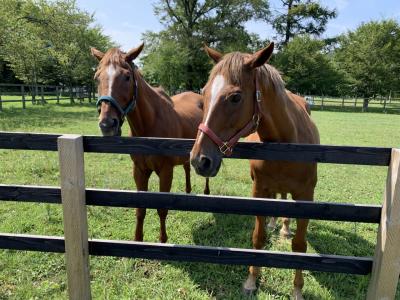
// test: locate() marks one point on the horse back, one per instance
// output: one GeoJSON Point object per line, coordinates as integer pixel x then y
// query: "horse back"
{"type": "Point", "coordinates": [189, 107]}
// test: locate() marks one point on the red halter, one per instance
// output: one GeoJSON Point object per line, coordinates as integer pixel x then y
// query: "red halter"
{"type": "Point", "coordinates": [226, 147]}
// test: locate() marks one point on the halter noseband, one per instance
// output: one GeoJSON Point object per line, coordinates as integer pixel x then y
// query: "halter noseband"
{"type": "Point", "coordinates": [132, 104]}
{"type": "Point", "coordinates": [226, 147]}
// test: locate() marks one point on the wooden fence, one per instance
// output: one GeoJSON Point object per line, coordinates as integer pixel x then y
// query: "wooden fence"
{"type": "Point", "coordinates": [41, 94]}
{"type": "Point", "coordinates": [380, 104]}
{"type": "Point", "coordinates": [74, 198]}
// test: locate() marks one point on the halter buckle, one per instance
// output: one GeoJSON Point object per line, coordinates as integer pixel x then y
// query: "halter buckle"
{"type": "Point", "coordinates": [256, 120]}
{"type": "Point", "coordinates": [258, 96]}
{"type": "Point", "coordinates": [224, 148]}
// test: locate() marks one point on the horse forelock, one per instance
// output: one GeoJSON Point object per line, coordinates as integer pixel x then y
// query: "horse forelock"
{"type": "Point", "coordinates": [115, 57]}
{"type": "Point", "coordinates": [232, 67]}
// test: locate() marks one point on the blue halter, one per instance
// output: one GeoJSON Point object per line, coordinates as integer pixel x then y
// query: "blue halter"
{"type": "Point", "coordinates": [124, 112]}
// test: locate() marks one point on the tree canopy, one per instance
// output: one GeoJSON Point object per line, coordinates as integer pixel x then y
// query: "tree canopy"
{"type": "Point", "coordinates": [48, 41]}
{"type": "Point", "coordinates": [371, 57]}
{"type": "Point", "coordinates": [301, 17]}
{"type": "Point", "coordinates": [307, 68]}
{"type": "Point", "coordinates": [189, 24]}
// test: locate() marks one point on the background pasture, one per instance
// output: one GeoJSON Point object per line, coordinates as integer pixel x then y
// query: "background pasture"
{"type": "Point", "coordinates": [37, 275]}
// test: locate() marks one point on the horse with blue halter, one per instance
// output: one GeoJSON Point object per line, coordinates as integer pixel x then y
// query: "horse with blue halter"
{"type": "Point", "coordinates": [124, 94]}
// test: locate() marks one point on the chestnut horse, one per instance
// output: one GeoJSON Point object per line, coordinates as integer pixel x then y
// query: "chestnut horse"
{"type": "Point", "coordinates": [245, 95]}
{"type": "Point", "coordinates": [150, 113]}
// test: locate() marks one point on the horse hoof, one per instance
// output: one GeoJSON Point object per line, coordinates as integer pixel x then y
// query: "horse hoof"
{"type": "Point", "coordinates": [163, 239]}
{"type": "Point", "coordinates": [271, 227]}
{"type": "Point", "coordinates": [249, 287]}
{"type": "Point", "coordinates": [297, 295]}
{"type": "Point", "coordinates": [287, 234]}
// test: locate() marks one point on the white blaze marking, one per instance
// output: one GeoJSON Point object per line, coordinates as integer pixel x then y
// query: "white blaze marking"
{"type": "Point", "coordinates": [111, 73]}
{"type": "Point", "coordinates": [217, 86]}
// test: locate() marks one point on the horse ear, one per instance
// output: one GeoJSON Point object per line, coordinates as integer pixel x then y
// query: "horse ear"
{"type": "Point", "coordinates": [213, 54]}
{"type": "Point", "coordinates": [96, 53]}
{"type": "Point", "coordinates": [133, 53]}
{"type": "Point", "coordinates": [261, 56]}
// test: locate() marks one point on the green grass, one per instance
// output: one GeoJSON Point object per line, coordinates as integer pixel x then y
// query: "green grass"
{"type": "Point", "coordinates": [30, 275]}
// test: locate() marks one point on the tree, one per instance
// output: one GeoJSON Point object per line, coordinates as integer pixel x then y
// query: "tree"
{"type": "Point", "coordinates": [307, 67]}
{"type": "Point", "coordinates": [300, 17]}
{"type": "Point", "coordinates": [371, 57]}
{"type": "Point", "coordinates": [49, 41]}
{"type": "Point", "coordinates": [190, 23]}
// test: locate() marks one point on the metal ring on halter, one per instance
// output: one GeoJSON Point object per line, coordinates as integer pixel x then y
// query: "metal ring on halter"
{"type": "Point", "coordinates": [225, 148]}
{"type": "Point", "coordinates": [256, 120]}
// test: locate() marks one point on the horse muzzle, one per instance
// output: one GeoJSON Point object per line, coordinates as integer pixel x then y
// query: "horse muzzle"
{"type": "Point", "coordinates": [206, 166]}
{"type": "Point", "coordinates": [110, 127]}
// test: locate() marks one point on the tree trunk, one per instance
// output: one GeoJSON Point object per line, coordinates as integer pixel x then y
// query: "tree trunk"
{"type": "Point", "coordinates": [288, 23]}
{"type": "Point", "coordinates": [365, 104]}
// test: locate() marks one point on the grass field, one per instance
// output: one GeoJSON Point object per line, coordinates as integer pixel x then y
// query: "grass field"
{"type": "Point", "coordinates": [30, 275]}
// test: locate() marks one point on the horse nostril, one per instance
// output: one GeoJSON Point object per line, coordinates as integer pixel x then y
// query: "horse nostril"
{"type": "Point", "coordinates": [107, 123]}
{"type": "Point", "coordinates": [115, 123]}
{"type": "Point", "coordinates": [205, 163]}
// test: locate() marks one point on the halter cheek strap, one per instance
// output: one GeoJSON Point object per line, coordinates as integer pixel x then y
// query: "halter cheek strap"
{"type": "Point", "coordinates": [123, 111]}
{"type": "Point", "coordinates": [226, 147]}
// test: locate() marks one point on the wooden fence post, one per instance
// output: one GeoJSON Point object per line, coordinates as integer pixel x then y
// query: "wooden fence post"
{"type": "Point", "coordinates": [58, 95]}
{"type": "Point", "coordinates": [386, 265]}
{"type": "Point", "coordinates": [1, 102]}
{"type": "Point", "coordinates": [322, 103]}
{"type": "Point", "coordinates": [342, 102]}
{"type": "Point", "coordinates": [23, 96]}
{"type": "Point", "coordinates": [72, 179]}
{"type": "Point", "coordinates": [71, 95]}
{"type": "Point", "coordinates": [384, 105]}
{"type": "Point", "coordinates": [42, 95]}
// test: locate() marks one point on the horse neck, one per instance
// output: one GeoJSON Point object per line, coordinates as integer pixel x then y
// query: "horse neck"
{"type": "Point", "coordinates": [148, 104]}
{"type": "Point", "coordinates": [276, 123]}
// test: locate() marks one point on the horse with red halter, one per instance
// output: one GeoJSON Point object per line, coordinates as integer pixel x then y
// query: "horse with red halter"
{"type": "Point", "coordinates": [243, 96]}
{"type": "Point", "coordinates": [123, 93]}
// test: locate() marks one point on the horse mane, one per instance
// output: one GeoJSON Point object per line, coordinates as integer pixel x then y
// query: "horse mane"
{"type": "Point", "coordinates": [160, 90]}
{"type": "Point", "coordinates": [232, 66]}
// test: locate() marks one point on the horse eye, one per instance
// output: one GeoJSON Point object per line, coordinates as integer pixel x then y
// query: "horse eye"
{"type": "Point", "coordinates": [236, 98]}
{"type": "Point", "coordinates": [127, 78]}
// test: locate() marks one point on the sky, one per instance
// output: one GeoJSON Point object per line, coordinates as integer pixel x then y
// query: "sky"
{"type": "Point", "coordinates": [125, 21]}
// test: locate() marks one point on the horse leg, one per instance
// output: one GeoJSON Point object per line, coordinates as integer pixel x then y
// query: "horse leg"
{"type": "Point", "coordinates": [259, 239]}
{"type": "Point", "coordinates": [142, 181]}
{"type": "Point", "coordinates": [207, 187]}
{"type": "Point", "coordinates": [165, 176]}
{"type": "Point", "coordinates": [272, 222]}
{"type": "Point", "coordinates": [299, 244]}
{"type": "Point", "coordinates": [285, 230]}
{"type": "Point", "coordinates": [186, 167]}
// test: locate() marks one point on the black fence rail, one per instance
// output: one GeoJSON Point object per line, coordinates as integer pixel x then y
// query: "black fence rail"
{"type": "Point", "coordinates": [354, 104]}
{"type": "Point", "coordinates": [75, 197]}
{"type": "Point", "coordinates": [41, 94]}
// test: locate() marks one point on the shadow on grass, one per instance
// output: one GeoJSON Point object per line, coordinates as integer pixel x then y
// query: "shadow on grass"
{"type": "Point", "coordinates": [225, 281]}
{"type": "Point", "coordinates": [326, 239]}
{"type": "Point", "coordinates": [220, 281]}
{"type": "Point", "coordinates": [43, 116]}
